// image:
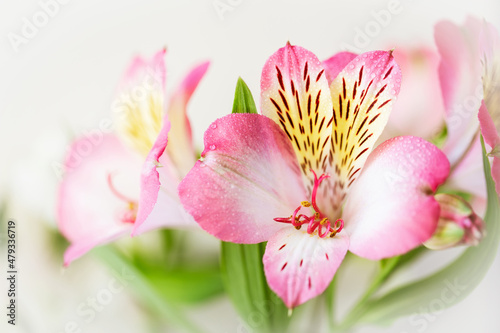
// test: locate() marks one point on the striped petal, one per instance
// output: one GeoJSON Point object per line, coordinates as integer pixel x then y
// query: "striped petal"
{"type": "Point", "coordinates": [362, 95]}
{"type": "Point", "coordinates": [295, 95]}
{"type": "Point", "coordinates": [299, 266]}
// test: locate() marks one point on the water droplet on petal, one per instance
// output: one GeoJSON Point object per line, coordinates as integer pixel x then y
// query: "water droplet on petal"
{"type": "Point", "coordinates": [213, 126]}
{"type": "Point", "coordinates": [202, 165]}
{"type": "Point", "coordinates": [212, 147]}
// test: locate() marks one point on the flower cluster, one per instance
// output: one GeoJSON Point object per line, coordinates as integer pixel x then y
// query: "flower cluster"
{"type": "Point", "coordinates": [376, 153]}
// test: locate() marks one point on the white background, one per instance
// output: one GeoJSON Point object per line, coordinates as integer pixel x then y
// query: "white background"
{"type": "Point", "coordinates": [61, 83]}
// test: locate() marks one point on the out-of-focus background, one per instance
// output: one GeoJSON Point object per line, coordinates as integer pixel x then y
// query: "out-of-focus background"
{"type": "Point", "coordinates": [57, 81]}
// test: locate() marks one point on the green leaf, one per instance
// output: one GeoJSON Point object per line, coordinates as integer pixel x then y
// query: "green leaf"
{"type": "Point", "coordinates": [186, 285]}
{"type": "Point", "coordinates": [243, 100]}
{"type": "Point", "coordinates": [245, 283]}
{"type": "Point", "coordinates": [241, 264]}
{"type": "Point", "coordinates": [450, 285]}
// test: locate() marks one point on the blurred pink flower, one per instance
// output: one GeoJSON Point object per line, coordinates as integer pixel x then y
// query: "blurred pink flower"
{"type": "Point", "coordinates": [443, 88]}
{"type": "Point", "coordinates": [489, 113]}
{"type": "Point", "coordinates": [284, 176]}
{"type": "Point", "coordinates": [98, 199]}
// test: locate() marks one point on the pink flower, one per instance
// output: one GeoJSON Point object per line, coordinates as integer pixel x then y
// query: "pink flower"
{"type": "Point", "coordinates": [489, 113]}
{"type": "Point", "coordinates": [442, 89]}
{"type": "Point", "coordinates": [98, 198]}
{"type": "Point", "coordinates": [302, 175]}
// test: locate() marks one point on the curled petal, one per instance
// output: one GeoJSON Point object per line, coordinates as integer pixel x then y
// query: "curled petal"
{"type": "Point", "coordinates": [180, 149]}
{"type": "Point", "coordinates": [248, 175]}
{"type": "Point", "coordinates": [159, 204]}
{"type": "Point", "coordinates": [460, 77]}
{"type": "Point", "coordinates": [490, 49]}
{"type": "Point", "coordinates": [96, 198]}
{"type": "Point", "coordinates": [391, 209]}
{"type": "Point", "coordinates": [299, 266]}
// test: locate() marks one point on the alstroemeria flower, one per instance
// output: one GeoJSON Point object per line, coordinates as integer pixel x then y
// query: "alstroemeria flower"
{"type": "Point", "coordinates": [98, 198]}
{"type": "Point", "coordinates": [489, 113]}
{"type": "Point", "coordinates": [296, 175]}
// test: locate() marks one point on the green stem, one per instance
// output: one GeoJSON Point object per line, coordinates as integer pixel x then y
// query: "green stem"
{"type": "Point", "coordinates": [330, 303]}
{"type": "Point", "coordinates": [388, 267]}
{"type": "Point", "coordinates": [143, 287]}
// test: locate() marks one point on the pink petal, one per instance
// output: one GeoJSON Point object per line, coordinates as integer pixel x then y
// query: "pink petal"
{"type": "Point", "coordinates": [139, 105]}
{"type": "Point", "coordinates": [89, 213]}
{"type": "Point", "coordinates": [159, 204]}
{"type": "Point", "coordinates": [248, 175]}
{"type": "Point", "coordinates": [299, 266]}
{"type": "Point", "coordinates": [495, 173]}
{"type": "Point", "coordinates": [490, 49]}
{"type": "Point", "coordinates": [413, 114]}
{"type": "Point", "coordinates": [335, 64]}
{"type": "Point", "coordinates": [468, 174]}
{"type": "Point", "coordinates": [460, 76]}
{"type": "Point", "coordinates": [391, 209]}
{"type": "Point", "coordinates": [295, 94]}
{"type": "Point", "coordinates": [362, 94]}
{"type": "Point", "coordinates": [181, 149]}
{"type": "Point", "coordinates": [153, 68]}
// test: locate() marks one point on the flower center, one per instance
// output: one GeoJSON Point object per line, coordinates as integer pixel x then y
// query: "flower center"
{"type": "Point", "coordinates": [130, 213]}
{"type": "Point", "coordinates": [317, 221]}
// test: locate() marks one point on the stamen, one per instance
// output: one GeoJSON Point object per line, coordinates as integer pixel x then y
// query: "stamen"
{"type": "Point", "coordinates": [317, 222]}
{"type": "Point", "coordinates": [130, 214]}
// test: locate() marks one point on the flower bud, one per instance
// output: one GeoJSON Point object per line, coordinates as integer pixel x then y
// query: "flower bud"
{"type": "Point", "coordinates": [458, 224]}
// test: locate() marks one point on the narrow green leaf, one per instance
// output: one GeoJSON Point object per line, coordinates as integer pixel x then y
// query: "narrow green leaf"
{"type": "Point", "coordinates": [241, 264]}
{"type": "Point", "coordinates": [450, 285]}
{"type": "Point", "coordinates": [243, 100]}
{"type": "Point", "coordinates": [246, 285]}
